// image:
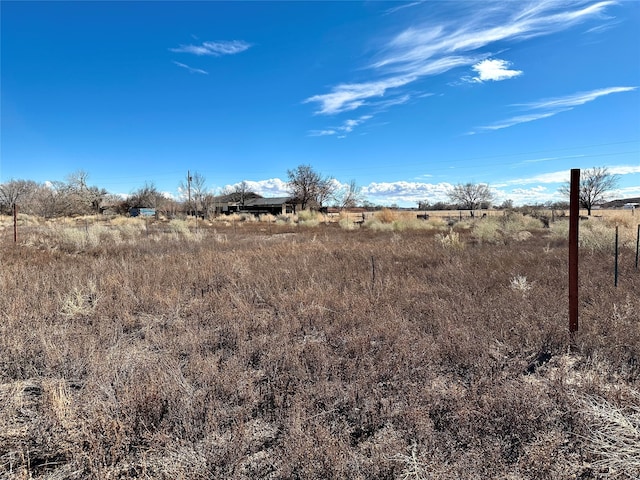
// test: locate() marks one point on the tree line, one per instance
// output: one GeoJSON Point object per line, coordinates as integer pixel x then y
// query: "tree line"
{"type": "Point", "coordinates": [308, 188]}
{"type": "Point", "coordinates": [595, 184]}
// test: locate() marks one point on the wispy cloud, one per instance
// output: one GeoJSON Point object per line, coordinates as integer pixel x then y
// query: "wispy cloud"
{"type": "Point", "coordinates": [323, 133]}
{"type": "Point", "coordinates": [547, 159]}
{"type": "Point", "coordinates": [603, 28]}
{"type": "Point", "coordinates": [191, 69]}
{"type": "Point", "coordinates": [438, 46]}
{"type": "Point", "coordinates": [553, 106]}
{"type": "Point", "coordinates": [346, 127]}
{"type": "Point", "coordinates": [574, 100]}
{"type": "Point", "coordinates": [493, 70]}
{"type": "Point", "coordinates": [401, 7]}
{"type": "Point", "coordinates": [624, 169]}
{"type": "Point", "coordinates": [549, 177]}
{"type": "Point", "coordinates": [216, 49]}
{"type": "Point", "coordinates": [510, 122]}
{"type": "Point", "coordinates": [563, 175]}
{"type": "Point", "coordinates": [349, 96]}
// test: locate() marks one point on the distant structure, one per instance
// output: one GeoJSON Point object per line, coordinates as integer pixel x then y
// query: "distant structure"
{"type": "Point", "coordinates": [626, 203]}
{"type": "Point", "coordinates": [254, 204]}
{"type": "Point", "coordinates": [142, 212]}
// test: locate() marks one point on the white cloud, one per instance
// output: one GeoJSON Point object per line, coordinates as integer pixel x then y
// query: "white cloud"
{"type": "Point", "coordinates": [346, 97]}
{"type": "Point", "coordinates": [624, 169]}
{"type": "Point", "coordinates": [536, 189]}
{"type": "Point", "coordinates": [273, 187]}
{"type": "Point", "coordinates": [322, 133]}
{"type": "Point", "coordinates": [191, 69]}
{"type": "Point", "coordinates": [626, 192]}
{"type": "Point", "coordinates": [402, 192]}
{"type": "Point", "coordinates": [547, 159]}
{"type": "Point", "coordinates": [575, 99]}
{"type": "Point", "coordinates": [553, 106]}
{"type": "Point", "coordinates": [215, 49]}
{"type": "Point", "coordinates": [401, 7]}
{"type": "Point", "coordinates": [441, 45]}
{"type": "Point", "coordinates": [494, 70]}
{"type": "Point", "coordinates": [551, 177]}
{"type": "Point", "coordinates": [346, 127]}
{"type": "Point", "coordinates": [510, 122]}
{"type": "Point", "coordinates": [563, 175]}
{"type": "Point", "coordinates": [529, 196]}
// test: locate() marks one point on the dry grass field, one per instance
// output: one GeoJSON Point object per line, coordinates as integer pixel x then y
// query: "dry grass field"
{"type": "Point", "coordinates": [398, 349]}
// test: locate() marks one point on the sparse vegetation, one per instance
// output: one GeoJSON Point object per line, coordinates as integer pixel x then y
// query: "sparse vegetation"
{"type": "Point", "coordinates": [129, 350]}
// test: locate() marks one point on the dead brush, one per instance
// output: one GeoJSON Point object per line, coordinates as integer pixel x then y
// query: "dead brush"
{"type": "Point", "coordinates": [279, 354]}
{"type": "Point", "coordinates": [614, 436]}
{"type": "Point", "coordinates": [387, 215]}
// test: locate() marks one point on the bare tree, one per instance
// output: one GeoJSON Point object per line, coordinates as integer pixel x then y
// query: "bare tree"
{"type": "Point", "coordinates": [242, 191]}
{"type": "Point", "coordinates": [52, 200]}
{"type": "Point", "coordinates": [195, 186]}
{"type": "Point", "coordinates": [594, 185]}
{"type": "Point", "coordinates": [238, 193]}
{"type": "Point", "coordinates": [349, 195]}
{"type": "Point", "coordinates": [147, 196]}
{"type": "Point", "coordinates": [14, 192]}
{"type": "Point", "coordinates": [471, 196]}
{"type": "Point", "coordinates": [308, 187]}
{"type": "Point", "coordinates": [82, 197]}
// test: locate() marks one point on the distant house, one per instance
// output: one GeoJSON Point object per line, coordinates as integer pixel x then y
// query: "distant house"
{"type": "Point", "coordinates": [142, 212]}
{"type": "Point", "coordinates": [622, 203]}
{"type": "Point", "coordinates": [631, 206]}
{"type": "Point", "coordinates": [260, 206]}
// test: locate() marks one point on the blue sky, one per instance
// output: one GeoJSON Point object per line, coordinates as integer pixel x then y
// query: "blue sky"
{"type": "Point", "coordinates": [405, 98]}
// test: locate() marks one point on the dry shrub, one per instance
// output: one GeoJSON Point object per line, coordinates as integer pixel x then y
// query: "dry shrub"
{"type": "Point", "coordinates": [378, 226]}
{"type": "Point", "coordinates": [179, 226]}
{"type": "Point", "coordinates": [487, 231]}
{"type": "Point", "coordinates": [308, 353]}
{"type": "Point", "coordinates": [267, 218]}
{"type": "Point", "coordinates": [347, 223]}
{"type": "Point", "coordinates": [310, 218]}
{"type": "Point", "coordinates": [559, 230]}
{"type": "Point", "coordinates": [450, 241]}
{"type": "Point", "coordinates": [80, 301]}
{"type": "Point", "coordinates": [596, 236]}
{"type": "Point", "coordinates": [438, 223]}
{"type": "Point", "coordinates": [387, 215]}
{"type": "Point", "coordinates": [505, 229]}
{"type": "Point", "coordinates": [120, 220]}
{"type": "Point", "coordinates": [621, 218]}
{"type": "Point", "coordinates": [614, 436]}
{"type": "Point", "coordinates": [232, 218]}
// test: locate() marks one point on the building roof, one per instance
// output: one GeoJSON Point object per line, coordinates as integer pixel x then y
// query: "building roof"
{"type": "Point", "coordinates": [266, 202]}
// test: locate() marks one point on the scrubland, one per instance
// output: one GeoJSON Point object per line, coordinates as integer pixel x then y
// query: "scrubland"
{"type": "Point", "coordinates": [242, 349]}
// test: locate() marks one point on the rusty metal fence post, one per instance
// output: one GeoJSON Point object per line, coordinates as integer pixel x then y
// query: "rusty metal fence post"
{"type": "Point", "coordinates": [615, 267]}
{"type": "Point", "coordinates": [574, 217]}
{"type": "Point", "coordinates": [15, 223]}
{"type": "Point", "coordinates": [637, 245]}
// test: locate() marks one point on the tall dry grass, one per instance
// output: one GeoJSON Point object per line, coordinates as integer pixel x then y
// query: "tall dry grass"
{"type": "Point", "coordinates": [272, 351]}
